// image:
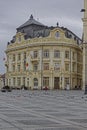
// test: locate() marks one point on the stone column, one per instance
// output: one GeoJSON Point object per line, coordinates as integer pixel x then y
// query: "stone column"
{"type": "Point", "coordinates": [85, 45]}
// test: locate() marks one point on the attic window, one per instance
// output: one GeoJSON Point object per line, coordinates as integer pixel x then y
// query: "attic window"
{"type": "Point", "coordinates": [57, 34]}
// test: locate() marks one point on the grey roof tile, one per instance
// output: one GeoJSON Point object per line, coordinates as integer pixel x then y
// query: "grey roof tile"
{"type": "Point", "coordinates": [30, 22]}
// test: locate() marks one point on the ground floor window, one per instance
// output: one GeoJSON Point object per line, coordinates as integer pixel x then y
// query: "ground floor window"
{"type": "Point", "coordinates": [24, 81]}
{"type": "Point", "coordinates": [9, 82]}
{"type": "Point", "coordinates": [14, 81]}
{"type": "Point", "coordinates": [45, 81]}
{"type": "Point", "coordinates": [18, 81]}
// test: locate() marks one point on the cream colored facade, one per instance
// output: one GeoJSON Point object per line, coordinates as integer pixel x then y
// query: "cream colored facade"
{"type": "Point", "coordinates": [54, 61]}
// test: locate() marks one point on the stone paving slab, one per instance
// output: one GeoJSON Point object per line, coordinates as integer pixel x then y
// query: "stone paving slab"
{"type": "Point", "coordinates": [43, 110]}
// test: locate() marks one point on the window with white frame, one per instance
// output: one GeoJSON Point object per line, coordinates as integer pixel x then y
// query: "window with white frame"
{"type": "Point", "coordinates": [14, 80]}
{"type": "Point", "coordinates": [67, 54]}
{"type": "Point", "coordinates": [73, 55]}
{"type": "Point", "coordinates": [45, 81]}
{"type": "Point", "coordinates": [9, 82]}
{"type": "Point", "coordinates": [46, 53]}
{"type": "Point", "coordinates": [18, 81]}
{"type": "Point", "coordinates": [56, 54]}
{"type": "Point", "coordinates": [67, 67]}
{"type": "Point", "coordinates": [24, 55]}
{"type": "Point", "coordinates": [19, 57]}
{"type": "Point", "coordinates": [35, 54]}
{"type": "Point", "coordinates": [35, 82]}
{"type": "Point", "coordinates": [74, 67]}
{"type": "Point", "coordinates": [56, 66]}
{"type": "Point", "coordinates": [35, 67]}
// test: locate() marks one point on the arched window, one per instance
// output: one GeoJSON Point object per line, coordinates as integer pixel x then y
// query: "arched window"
{"type": "Point", "coordinates": [35, 82]}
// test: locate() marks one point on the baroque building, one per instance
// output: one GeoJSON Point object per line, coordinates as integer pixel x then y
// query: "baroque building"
{"type": "Point", "coordinates": [39, 56]}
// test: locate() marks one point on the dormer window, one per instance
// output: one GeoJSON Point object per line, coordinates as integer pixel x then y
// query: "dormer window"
{"type": "Point", "coordinates": [19, 39]}
{"type": "Point", "coordinates": [57, 34]}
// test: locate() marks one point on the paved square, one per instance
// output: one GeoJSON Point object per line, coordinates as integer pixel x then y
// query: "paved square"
{"type": "Point", "coordinates": [43, 110]}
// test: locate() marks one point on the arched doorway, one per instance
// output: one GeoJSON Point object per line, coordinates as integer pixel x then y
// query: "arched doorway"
{"type": "Point", "coordinates": [35, 83]}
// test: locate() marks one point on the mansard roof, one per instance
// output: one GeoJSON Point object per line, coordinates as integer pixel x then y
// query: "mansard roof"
{"type": "Point", "coordinates": [31, 21]}
{"type": "Point", "coordinates": [33, 28]}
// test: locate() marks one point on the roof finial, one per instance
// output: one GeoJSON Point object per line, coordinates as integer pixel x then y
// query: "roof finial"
{"type": "Point", "coordinates": [31, 17]}
{"type": "Point", "coordinates": [57, 24]}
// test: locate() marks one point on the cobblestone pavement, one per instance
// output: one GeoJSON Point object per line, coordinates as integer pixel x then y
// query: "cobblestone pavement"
{"type": "Point", "coordinates": [43, 110]}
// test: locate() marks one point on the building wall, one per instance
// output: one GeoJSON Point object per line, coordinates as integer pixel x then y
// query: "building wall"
{"type": "Point", "coordinates": [32, 62]}
{"type": "Point", "coordinates": [85, 45]}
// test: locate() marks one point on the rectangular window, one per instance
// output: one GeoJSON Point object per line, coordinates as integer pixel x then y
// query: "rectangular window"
{"type": "Point", "coordinates": [46, 66]}
{"type": "Point", "coordinates": [67, 54]}
{"type": "Point", "coordinates": [24, 65]}
{"type": "Point", "coordinates": [73, 67]}
{"type": "Point", "coordinates": [79, 57]}
{"type": "Point", "coordinates": [56, 54]}
{"type": "Point", "coordinates": [18, 81]}
{"type": "Point", "coordinates": [24, 55]}
{"type": "Point", "coordinates": [46, 54]}
{"type": "Point", "coordinates": [67, 67]}
{"type": "Point", "coordinates": [19, 67]}
{"type": "Point", "coordinates": [73, 55]}
{"type": "Point", "coordinates": [35, 67]}
{"type": "Point", "coordinates": [45, 81]}
{"type": "Point", "coordinates": [66, 81]}
{"type": "Point", "coordinates": [13, 57]}
{"type": "Point", "coordinates": [14, 80]}
{"type": "Point", "coordinates": [9, 82]}
{"type": "Point", "coordinates": [24, 81]}
{"type": "Point", "coordinates": [19, 57]}
{"type": "Point", "coordinates": [79, 68]}
{"type": "Point", "coordinates": [35, 54]}
{"type": "Point", "coordinates": [57, 66]}
{"type": "Point", "coordinates": [13, 67]}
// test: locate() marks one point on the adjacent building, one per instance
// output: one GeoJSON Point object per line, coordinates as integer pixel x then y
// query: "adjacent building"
{"type": "Point", "coordinates": [39, 56]}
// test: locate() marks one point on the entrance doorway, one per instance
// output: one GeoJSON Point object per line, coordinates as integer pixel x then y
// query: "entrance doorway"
{"type": "Point", "coordinates": [35, 83]}
{"type": "Point", "coordinates": [56, 82]}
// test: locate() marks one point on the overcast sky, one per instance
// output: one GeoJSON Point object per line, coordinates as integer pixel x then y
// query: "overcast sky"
{"type": "Point", "coordinates": [14, 13]}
